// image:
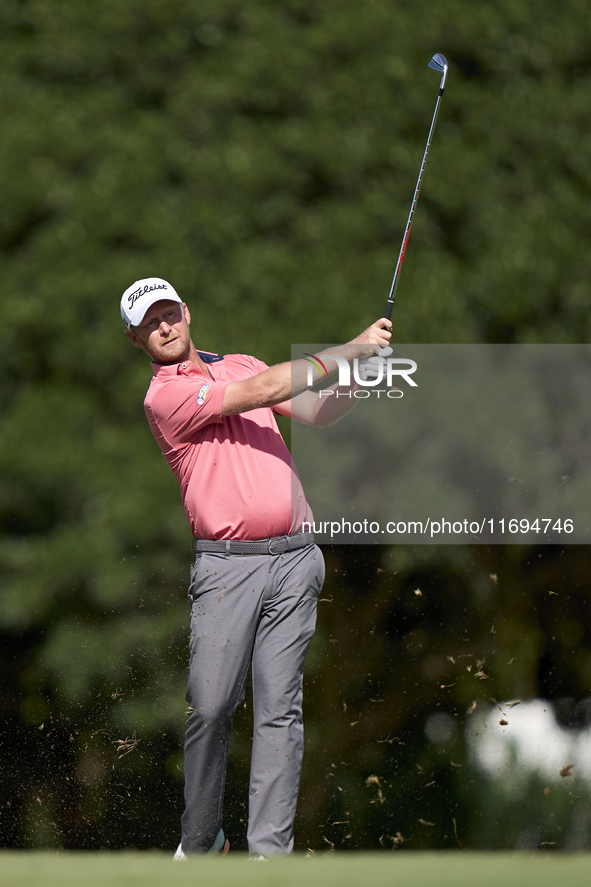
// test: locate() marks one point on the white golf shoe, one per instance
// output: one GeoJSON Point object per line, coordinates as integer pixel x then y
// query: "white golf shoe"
{"type": "Point", "coordinates": [221, 845]}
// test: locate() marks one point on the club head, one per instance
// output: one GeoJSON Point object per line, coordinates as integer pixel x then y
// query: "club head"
{"type": "Point", "coordinates": [439, 63]}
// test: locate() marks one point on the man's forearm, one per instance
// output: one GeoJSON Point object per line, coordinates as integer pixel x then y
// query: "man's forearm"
{"type": "Point", "coordinates": [286, 381]}
{"type": "Point", "coordinates": [273, 386]}
{"type": "Point", "coordinates": [322, 409]}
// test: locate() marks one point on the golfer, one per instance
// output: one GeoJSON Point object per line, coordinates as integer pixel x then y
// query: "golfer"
{"type": "Point", "coordinates": [256, 577]}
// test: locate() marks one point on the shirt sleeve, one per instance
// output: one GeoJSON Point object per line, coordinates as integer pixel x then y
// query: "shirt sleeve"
{"type": "Point", "coordinates": [258, 365]}
{"type": "Point", "coordinates": [179, 410]}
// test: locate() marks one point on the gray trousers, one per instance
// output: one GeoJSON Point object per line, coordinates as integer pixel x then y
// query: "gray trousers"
{"type": "Point", "coordinates": [259, 609]}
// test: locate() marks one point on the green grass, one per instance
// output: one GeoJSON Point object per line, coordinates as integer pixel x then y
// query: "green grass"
{"type": "Point", "coordinates": [385, 869]}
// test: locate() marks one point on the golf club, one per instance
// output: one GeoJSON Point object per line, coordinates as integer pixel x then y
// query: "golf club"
{"type": "Point", "coordinates": [438, 63]}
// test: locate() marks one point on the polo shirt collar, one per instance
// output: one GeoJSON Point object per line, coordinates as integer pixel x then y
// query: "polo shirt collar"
{"type": "Point", "coordinates": [187, 367]}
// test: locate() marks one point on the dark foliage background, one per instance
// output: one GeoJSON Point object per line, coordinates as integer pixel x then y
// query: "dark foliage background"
{"type": "Point", "coordinates": [262, 156]}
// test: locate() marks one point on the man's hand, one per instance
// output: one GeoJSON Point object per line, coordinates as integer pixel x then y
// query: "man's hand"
{"type": "Point", "coordinates": [379, 333]}
{"type": "Point", "coordinates": [369, 367]}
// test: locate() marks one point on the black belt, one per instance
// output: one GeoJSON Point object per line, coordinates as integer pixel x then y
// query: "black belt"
{"type": "Point", "coordinates": [276, 545]}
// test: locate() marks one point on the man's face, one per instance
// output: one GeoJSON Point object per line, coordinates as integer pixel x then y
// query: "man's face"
{"type": "Point", "coordinates": [164, 332]}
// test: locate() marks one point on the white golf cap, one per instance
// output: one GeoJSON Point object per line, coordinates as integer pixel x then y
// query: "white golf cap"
{"type": "Point", "coordinates": [138, 297]}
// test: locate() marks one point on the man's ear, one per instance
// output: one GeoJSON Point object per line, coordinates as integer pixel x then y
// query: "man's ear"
{"type": "Point", "coordinates": [133, 339]}
{"type": "Point", "coordinates": [187, 314]}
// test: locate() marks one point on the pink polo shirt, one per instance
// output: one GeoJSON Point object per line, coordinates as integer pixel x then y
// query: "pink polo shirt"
{"type": "Point", "coordinates": [235, 472]}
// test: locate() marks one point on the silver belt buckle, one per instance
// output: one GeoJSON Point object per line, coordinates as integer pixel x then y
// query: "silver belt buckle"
{"type": "Point", "coordinates": [270, 545]}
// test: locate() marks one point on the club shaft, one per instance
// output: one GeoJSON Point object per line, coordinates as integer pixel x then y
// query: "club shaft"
{"type": "Point", "coordinates": [415, 200]}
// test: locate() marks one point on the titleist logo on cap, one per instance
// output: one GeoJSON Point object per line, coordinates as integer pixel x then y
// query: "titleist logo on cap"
{"type": "Point", "coordinates": [142, 290]}
{"type": "Point", "coordinates": [141, 295]}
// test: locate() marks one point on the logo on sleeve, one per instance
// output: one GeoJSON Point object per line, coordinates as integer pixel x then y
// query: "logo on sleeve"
{"type": "Point", "coordinates": [202, 393]}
